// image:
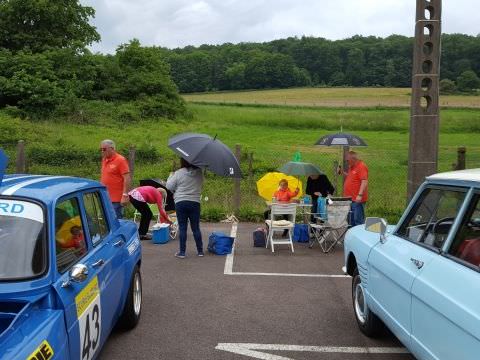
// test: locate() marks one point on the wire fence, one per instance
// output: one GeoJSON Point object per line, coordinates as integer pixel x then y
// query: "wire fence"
{"type": "Point", "coordinates": [387, 186]}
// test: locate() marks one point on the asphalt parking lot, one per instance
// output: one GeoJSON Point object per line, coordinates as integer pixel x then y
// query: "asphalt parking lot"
{"type": "Point", "coordinates": [253, 304]}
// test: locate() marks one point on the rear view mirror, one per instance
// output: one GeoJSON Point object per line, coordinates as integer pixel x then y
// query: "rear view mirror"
{"type": "Point", "coordinates": [376, 225]}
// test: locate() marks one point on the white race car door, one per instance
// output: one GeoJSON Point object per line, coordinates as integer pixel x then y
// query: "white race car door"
{"type": "Point", "coordinates": [395, 263]}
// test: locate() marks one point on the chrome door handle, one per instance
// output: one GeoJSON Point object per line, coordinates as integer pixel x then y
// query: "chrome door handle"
{"type": "Point", "coordinates": [119, 243]}
{"type": "Point", "coordinates": [98, 263]}
{"type": "Point", "coordinates": [417, 263]}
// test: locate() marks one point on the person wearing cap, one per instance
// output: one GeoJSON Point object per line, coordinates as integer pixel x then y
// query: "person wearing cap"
{"type": "Point", "coordinates": [356, 187]}
{"type": "Point", "coordinates": [115, 175]}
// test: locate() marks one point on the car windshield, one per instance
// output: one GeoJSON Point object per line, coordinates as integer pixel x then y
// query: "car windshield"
{"type": "Point", "coordinates": [22, 240]}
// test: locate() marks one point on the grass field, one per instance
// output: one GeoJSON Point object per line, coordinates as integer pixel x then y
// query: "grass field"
{"type": "Point", "coordinates": [330, 97]}
{"type": "Point", "coordinates": [271, 133]}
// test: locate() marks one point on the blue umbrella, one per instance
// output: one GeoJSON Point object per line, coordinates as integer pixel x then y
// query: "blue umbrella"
{"type": "Point", "coordinates": [206, 152]}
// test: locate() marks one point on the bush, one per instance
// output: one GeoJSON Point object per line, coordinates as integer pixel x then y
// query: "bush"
{"type": "Point", "coordinates": [468, 81]}
{"type": "Point", "coordinates": [447, 86]}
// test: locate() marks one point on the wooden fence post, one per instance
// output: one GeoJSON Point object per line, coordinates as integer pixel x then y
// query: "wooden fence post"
{"type": "Point", "coordinates": [250, 165]}
{"type": "Point", "coordinates": [236, 182]}
{"type": "Point", "coordinates": [21, 167]}
{"type": "Point", "coordinates": [461, 158]}
{"type": "Point", "coordinates": [131, 162]}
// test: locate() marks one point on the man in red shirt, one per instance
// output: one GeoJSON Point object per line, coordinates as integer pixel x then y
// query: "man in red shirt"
{"type": "Point", "coordinates": [356, 187]}
{"type": "Point", "coordinates": [115, 176]}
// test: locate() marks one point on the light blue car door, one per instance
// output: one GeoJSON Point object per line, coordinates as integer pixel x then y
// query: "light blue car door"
{"type": "Point", "coordinates": [395, 263]}
{"type": "Point", "coordinates": [446, 296]}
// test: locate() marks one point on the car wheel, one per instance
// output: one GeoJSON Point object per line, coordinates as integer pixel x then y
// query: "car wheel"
{"type": "Point", "coordinates": [133, 306]}
{"type": "Point", "coordinates": [367, 321]}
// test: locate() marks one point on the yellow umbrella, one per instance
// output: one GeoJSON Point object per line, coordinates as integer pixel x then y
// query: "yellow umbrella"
{"type": "Point", "coordinates": [268, 184]}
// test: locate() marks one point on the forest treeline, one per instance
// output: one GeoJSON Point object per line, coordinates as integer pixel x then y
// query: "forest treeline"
{"type": "Point", "coordinates": [46, 66]}
{"type": "Point", "coordinates": [310, 61]}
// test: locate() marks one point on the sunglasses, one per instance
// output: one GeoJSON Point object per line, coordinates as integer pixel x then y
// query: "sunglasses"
{"type": "Point", "coordinates": [104, 149]}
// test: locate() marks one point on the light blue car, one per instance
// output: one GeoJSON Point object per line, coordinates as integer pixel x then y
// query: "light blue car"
{"type": "Point", "coordinates": [421, 278]}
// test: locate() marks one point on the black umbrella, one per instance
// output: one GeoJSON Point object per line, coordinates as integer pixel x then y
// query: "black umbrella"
{"type": "Point", "coordinates": [206, 152]}
{"type": "Point", "coordinates": [341, 139]}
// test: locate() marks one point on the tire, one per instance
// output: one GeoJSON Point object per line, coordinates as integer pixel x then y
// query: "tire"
{"type": "Point", "coordinates": [367, 321]}
{"type": "Point", "coordinates": [133, 305]}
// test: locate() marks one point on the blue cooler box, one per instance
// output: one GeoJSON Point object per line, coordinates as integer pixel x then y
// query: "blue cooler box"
{"type": "Point", "coordinates": [160, 234]}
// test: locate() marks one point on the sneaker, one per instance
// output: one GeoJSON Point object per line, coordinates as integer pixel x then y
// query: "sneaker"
{"type": "Point", "coordinates": [180, 255]}
{"type": "Point", "coordinates": [201, 254]}
{"type": "Point", "coordinates": [146, 237]}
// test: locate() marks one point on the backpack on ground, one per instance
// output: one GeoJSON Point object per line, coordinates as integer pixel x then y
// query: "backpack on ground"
{"type": "Point", "coordinates": [260, 237]}
{"type": "Point", "coordinates": [220, 243]}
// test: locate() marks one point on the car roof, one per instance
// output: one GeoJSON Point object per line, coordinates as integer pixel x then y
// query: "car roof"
{"type": "Point", "coordinates": [470, 177]}
{"type": "Point", "coordinates": [45, 188]}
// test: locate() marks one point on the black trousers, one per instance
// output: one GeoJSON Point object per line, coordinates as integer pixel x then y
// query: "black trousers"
{"type": "Point", "coordinates": [146, 215]}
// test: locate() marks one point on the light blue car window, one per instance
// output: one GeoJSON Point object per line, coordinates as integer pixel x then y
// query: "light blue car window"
{"type": "Point", "coordinates": [97, 223]}
{"type": "Point", "coordinates": [70, 242]}
{"type": "Point", "coordinates": [466, 245]}
{"type": "Point", "coordinates": [432, 216]}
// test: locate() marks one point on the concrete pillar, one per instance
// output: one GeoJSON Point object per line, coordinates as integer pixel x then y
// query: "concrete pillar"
{"type": "Point", "coordinates": [425, 114]}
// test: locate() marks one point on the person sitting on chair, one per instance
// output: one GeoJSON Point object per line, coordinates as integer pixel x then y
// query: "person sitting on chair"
{"type": "Point", "coordinates": [283, 193]}
{"type": "Point", "coordinates": [140, 197]}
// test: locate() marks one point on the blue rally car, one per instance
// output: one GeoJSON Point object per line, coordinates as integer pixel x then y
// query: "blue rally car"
{"type": "Point", "coordinates": [421, 278]}
{"type": "Point", "coordinates": [69, 270]}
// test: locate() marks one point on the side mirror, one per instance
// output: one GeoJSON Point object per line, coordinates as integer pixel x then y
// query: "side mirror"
{"type": "Point", "coordinates": [78, 273]}
{"type": "Point", "coordinates": [378, 226]}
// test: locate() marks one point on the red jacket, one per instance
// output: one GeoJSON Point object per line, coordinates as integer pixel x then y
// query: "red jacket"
{"type": "Point", "coordinates": [285, 195]}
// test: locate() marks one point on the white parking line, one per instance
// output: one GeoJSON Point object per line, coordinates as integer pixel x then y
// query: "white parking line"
{"type": "Point", "coordinates": [228, 269]}
{"type": "Point", "coordinates": [252, 350]}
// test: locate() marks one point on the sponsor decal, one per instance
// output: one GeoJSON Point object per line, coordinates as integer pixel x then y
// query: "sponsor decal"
{"type": "Point", "coordinates": [43, 352]}
{"type": "Point", "coordinates": [22, 209]}
{"type": "Point", "coordinates": [89, 313]}
{"type": "Point", "coordinates": [133, 246]}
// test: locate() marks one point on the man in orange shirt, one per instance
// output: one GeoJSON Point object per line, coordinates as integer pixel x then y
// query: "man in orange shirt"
{"type": "Point", "coordinates": [115, 176]}
{"type": "Point", "coordinates": [356, 187]}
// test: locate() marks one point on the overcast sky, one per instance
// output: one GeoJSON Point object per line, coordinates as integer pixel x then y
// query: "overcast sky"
{"type": "Point", "coordinates": [178, 23]}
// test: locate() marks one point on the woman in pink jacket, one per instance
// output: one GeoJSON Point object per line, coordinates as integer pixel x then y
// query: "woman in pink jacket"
{"type": "Point", "coordinates": [140, 197]}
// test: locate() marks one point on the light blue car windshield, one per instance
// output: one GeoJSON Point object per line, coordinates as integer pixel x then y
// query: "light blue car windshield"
{"type": "Point", "coordinates": [22, 240]}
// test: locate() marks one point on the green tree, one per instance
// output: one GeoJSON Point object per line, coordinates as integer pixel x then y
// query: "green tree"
{"type": "Point", "coordinates": [468, 81]}
{"type": "Point", "coordinates": [39, 25]}
{"type": "Point", "coordinates": [235, 75]}
{"type": "Point", "coordinates": [354, 72]}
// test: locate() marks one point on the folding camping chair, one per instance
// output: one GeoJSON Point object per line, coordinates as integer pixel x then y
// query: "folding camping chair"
{"type": "Point", "coordinates": [330, 231]}
{"type": "Point", "coordinates": [275, 225]}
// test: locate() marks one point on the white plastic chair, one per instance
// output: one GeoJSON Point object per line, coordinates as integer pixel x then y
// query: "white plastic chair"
{"type": "Point", "coordinates": [329, 232]}
{"type": "Point", "coordinates": [275, 226]}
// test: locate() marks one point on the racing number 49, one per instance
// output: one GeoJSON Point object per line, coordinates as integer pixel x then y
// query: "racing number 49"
{"type": "Point", "coordinates": [90, 344]}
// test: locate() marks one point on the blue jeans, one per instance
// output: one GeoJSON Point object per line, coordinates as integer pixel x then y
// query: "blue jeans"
{"type": "Point", "coordinates": [118, 207]}
{"type": "Point", "coordinates": [357, 216]}
{"type": "Point", "coordinates": [189, 210]}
